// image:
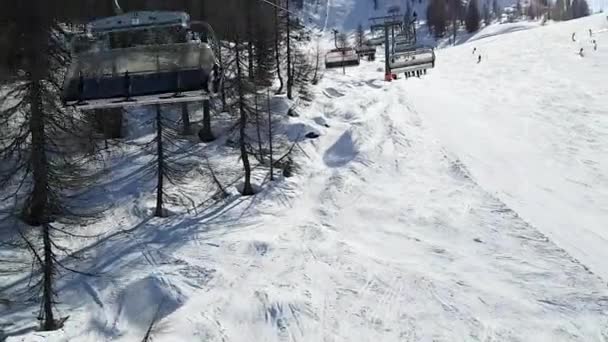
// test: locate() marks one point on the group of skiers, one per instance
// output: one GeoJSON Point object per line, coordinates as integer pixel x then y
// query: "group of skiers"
{"type": "Point", "coordinates": [582, 50]}
{"type": "Point", "coordinates": [478, 56]}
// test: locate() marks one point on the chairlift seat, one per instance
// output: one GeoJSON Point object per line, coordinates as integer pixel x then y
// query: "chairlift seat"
{"type": "Point", "coordinates": [101, 79]}
{"type": "Point", "coordinates": [366, 51]}
{"type": "Point", "coordinates": [419, 59]}
{"type": "Point", "coordinates": [377, 24]}
{"type": "Point", "coordinates": [337, 58]}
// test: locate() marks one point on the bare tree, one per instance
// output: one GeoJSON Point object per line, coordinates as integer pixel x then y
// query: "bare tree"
{"type": "Point", "coordinates": [288, 37]}
{"type": "Point", "coordinates": [342, 40]}
{"type": "Point", "coordinates": [270, 153]}
{"type": "Point", "coordinates": [247, 188]}
{"type": "Point", "coordinates": [187, 127]}
{"type": "Point", "coordinates": [360, 36]}
{"type": "Point", "coordinates": [277, 46]}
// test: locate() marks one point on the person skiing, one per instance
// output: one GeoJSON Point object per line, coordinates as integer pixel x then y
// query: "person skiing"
{"type": "Point", "coordinates": [590, 33]}
{"type": "Point", "coordinates": [580, 53]}
{"type": "Point", "coordinates": [479, 59]}
{"type": "Point", "coordinates": [594, 45]}
{"type": "Point", "coordinates": [573, 36]}
{"type": "Point", "coordinates": [474, 50]}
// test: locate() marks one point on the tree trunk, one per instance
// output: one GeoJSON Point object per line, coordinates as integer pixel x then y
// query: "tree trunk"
{"type": "Point", "coordinates": [206, 135]}
{"type": "Point", "coordinates": [250, 72]}
{"type": "Point", "coordinates": [247, 189]}
{"type": "Point", "coordinates": [270, 138]}
{"type": "Point", "coordinates": [277, 48]}
{"type": "Point", "coordinates": [48, 271]}
{"type": "Point", "coordinates": [36, 212]}
{"type": "Point", "coordinates": [223, 83]}
{"type": "Point", "coordinates": [187, 128]}
{"type": "Point", "coordinates": [160, 163]}
{"type": "Point", "coordinates": [37, 209]}
{"type": "Point", "coordinates": [257, 128]}
{"type": "Point", "coordinates": [289, 71]}
{"type": "Point", "coordinates": [250, 56]}
{"type": "Point", "coordinates": [454, 21]}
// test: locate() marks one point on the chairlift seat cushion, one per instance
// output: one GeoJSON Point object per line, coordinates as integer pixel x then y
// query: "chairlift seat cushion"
{"type": "Point", "coordinates": [109, 87]}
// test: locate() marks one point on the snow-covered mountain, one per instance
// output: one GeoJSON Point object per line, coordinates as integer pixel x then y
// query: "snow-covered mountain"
{"type": "Point", "coordinates": [468, 205]}
{"type": "Point", "coordinates": [348, 14]}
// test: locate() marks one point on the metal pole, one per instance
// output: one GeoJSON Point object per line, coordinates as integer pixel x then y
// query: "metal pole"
{"type": "Point", "coordinates": [343, 52]}
{"type": "Point", "coordinates": [387, 68]}
{"type": "Point", "coordinates": [336, 38]}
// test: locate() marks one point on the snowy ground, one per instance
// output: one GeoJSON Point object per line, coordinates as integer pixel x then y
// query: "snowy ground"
{"type": "Point", "coordinates": [450, 208]}
{"type": "Point", "coordinates": [531, 123]}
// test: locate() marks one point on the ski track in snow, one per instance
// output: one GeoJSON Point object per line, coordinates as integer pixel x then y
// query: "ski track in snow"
{"type": "Point", "coordinates": [385, 235]}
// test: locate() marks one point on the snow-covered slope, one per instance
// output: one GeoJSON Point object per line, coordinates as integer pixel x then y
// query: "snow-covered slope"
{"type": "Point", "coordinates": [531, 123]}
{"type": "Point", "coordinates": [450, 208]}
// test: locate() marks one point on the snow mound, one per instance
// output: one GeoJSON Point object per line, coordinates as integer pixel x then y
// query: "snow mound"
{"type": "Point", "coordinates": [148, 299]}
{"type": "Point", "coordinates": [343, 151]}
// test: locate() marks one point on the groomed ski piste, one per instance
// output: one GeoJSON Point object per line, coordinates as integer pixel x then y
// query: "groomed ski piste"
{"type": "Point", "coordinates": [468, 205]}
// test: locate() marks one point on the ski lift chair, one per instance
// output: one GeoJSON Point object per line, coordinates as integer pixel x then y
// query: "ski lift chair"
{"type": "Point", "coordinates": [140, 58]}
{"type": "Point", "coordinates": [412, 63]}
{"type": "Point", "coordinates": [367, 51]}
{"type": "Point", "coordinates": [343, 57]}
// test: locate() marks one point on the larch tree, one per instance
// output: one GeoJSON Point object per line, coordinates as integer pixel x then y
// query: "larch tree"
{"type": "Point", "coordinates": [43, 168]}
{"type": "Point", "coordinates": [472, 20]}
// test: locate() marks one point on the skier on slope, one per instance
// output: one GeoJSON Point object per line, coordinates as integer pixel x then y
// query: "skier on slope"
{"type": "Point", "coordinates": [580, 53]}
{"type": "Point", "coordinates": [573, 36]}
{"type": "Point", "coordinates": [590, 33]}
{"type": "Point", "coordinates": [594, 45]}
{"type": "Point", "coordinates": [474, 49]}
{"type": "Point", "coordinates": [479, 59]}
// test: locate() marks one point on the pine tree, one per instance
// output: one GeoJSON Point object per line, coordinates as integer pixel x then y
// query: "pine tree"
{"type": "Point", "coordinates": [277, 45]}
{"type": "Point", "coordinates": [487, 18]}
{"type": "Point", "coordinates": [437, 17]}
{"type": "Point", "coordinates": [360, 36]}
{"type": "Point", "coordinates": [289, 55]}
{"type": "Point", "coordinates": [580, 9]}
{"type": "Point", "coordinates": [559, 10]}
{"type": "Point", "coordinates": [172, 154]}
{"type": "Point", "coordinates": [518, 9]}
{"type": "Point", "coordinates": [472, 20]}
{"type": "Point", "coordinates": [568, 13]}
{"type": "Point", "coordinates": [42, 167]}
{"type": "Point", "coordinates": [496, 9]}
{"type": "Point", "coordinates": [454, 9]}
{"type": "Point", "coordinates": [408, 13]}
{"type": "Point", "coordinates": [342, 40]}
